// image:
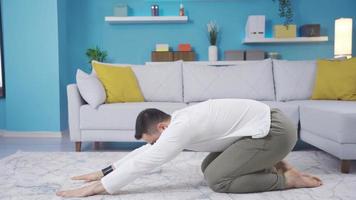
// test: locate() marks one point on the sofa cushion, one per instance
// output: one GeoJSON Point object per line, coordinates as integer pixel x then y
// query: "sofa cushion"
{"type": "Point", "coordinates": [334, 120]}
{"type": "Point", "coordinates": [335, 80]}
{"type": "Point", "coordinates": [250, 80]}
{"type": "Point", "coordinates": [90, 88]}
{"type": "Point", "coordinates": [120, 115]}
{"type": "Point", "coordinates": [120, 83]}
{"type": "Point", "coordinates": [161, 82]}
{"type": "Point", "coordinates": [158, 82]}
{"type": "Point", "coordinates": [294, 80]}
{"type": "Point", "coordinates": [290, 110]}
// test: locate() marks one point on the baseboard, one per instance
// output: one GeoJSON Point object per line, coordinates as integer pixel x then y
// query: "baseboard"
{"type": "Point", "coordinates": [32, 134]}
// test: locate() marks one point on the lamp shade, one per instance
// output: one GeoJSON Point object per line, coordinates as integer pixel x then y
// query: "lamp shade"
{"type": "Point", "coordinates": [343, 37]}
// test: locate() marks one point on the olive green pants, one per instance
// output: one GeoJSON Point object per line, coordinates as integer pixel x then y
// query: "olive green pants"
{"type": "Point", "coordinates": [248, 164]}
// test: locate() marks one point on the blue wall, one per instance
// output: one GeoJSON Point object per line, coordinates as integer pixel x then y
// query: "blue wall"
{"type": "Point", "coordinates": [46, 40]}
{"type": "Point", "coordinates": [64, 67]}
{"type": "Point", "coordinates": [133, 43]}
{"type": "Point", "coordinates": [32, 65]}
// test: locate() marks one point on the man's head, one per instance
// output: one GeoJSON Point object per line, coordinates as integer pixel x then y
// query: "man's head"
{"type": "Point", "coordinates": [150, 124]}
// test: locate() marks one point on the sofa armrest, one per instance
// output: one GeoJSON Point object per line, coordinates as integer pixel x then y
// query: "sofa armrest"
{"type": "Point", "coordinates": [74, 103]}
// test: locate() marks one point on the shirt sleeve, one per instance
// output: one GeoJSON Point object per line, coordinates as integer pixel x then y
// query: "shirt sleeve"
{"type": "Point", "coordinates": [131, 155]}
{"type": "Point", "coordinates": [171, 142]}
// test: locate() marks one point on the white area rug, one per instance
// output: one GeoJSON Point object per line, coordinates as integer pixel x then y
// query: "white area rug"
{"type": "Point", "coordinates": [27, 176]}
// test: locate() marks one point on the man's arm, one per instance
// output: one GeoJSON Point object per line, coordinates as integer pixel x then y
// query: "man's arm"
{"type": "Point", "coordinates": [169, 145]}
{"type": "Point", "coordinates": [131, 155]}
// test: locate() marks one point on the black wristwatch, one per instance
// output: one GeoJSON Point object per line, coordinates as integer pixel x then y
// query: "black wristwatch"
{"type": "Point", "coordinates": [107, 170]}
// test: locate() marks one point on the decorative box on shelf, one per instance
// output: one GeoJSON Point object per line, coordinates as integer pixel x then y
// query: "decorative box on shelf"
{"type": "Point", "coordinates": [161, 56]}
{"type": "Point", "coordinates": [282, 31]}
{"type": "Point", "coordinates": [184, 55]}
{"type": "Point", "coordinates": [310, 30]}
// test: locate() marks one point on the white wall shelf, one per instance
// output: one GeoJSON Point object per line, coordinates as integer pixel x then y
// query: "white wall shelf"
{"type": "Point", "coordinates": [146, 19]}
{"type": "Point", "coordinates": [286, 40]}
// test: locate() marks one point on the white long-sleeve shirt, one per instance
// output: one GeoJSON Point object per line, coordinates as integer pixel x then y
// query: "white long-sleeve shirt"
{"type": "Point", "coordinates": [209, 126]}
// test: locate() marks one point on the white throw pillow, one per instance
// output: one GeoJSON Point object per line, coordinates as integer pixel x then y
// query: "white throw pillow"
{"type": "Point", "coordinates": [294, 80]}
{"type": "Point", "coordinates": [250, 80]}
{"type": "Point", "coordinates": [90, 89]}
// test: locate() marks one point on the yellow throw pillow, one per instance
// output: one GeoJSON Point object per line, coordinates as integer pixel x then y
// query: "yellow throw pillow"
{"type": "Point", "coordinates": [119, 82]}
{"type": "Point", "coordinates": [335, 80]}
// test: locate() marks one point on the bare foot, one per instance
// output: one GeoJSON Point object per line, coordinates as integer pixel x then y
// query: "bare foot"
{"type": "Point", "coordinates": [295, 179]}
{"type": "Point", "coordinates": [314, 177]}
{"type": "Point", "coordinates": [94, 176]}
{"type": "Point", "coordinates": [89, 190]}
{"type": "Point", "coordinates": [283, 166]}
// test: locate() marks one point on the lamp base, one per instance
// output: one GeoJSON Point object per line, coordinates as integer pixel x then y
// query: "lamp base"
{"type": "Point", "coordinates": [342, 57]}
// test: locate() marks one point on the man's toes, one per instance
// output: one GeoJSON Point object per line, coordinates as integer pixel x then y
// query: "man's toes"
{"type": "Point", "coordinates": [313, 177]}
{"type": "Point", "coordinates": [311, 182]}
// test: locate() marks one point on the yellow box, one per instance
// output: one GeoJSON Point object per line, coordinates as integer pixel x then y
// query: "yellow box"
{"type": "Point", "coordinates": [282, 31]}
{"type": "Point", "coordinates": [162, 49]}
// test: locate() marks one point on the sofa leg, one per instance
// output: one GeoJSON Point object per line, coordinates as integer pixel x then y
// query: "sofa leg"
{"type": "Point", "coordinates": [345, 166]}
{"type": "Point", "coordinates": [78, 146]}
{"type": "Point", "coordinates": [96, 145]}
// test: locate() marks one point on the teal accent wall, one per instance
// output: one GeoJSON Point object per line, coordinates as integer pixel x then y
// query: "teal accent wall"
{"type": "Point", "coordinates": [64, 66]}
{"type": "Point", "coordinates": [133, 43]}
{"type": "Point", "coordinates": [45, 42]}
{"type": "Point", "coordinates": [2, 114]}
{"type": "Point", "coordinates": [32, 65]}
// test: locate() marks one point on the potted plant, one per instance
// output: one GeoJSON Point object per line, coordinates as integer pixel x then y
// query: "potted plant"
{"type": "Point", "coordinates": [96, 54]}
{"type": "Point", "coordinates": [213, 31]}
{"type": "Point", "coordinates": [287, 30]}
{"type": "Point", "coordinates": [285, 11]}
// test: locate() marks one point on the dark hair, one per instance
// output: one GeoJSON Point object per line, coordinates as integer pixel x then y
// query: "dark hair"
{"type": "Point", "coordinates": [147, 118]}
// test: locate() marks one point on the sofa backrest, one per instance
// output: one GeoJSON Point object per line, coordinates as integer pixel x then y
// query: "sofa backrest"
{"type": "Point", "coordinates": [161, 81]}
{"type": "Point", "coordinates": [294, 80]}
{"type": "Point", "coordinates": [158, 81]}
{"type": "Point", "coordinates": [249, 80]}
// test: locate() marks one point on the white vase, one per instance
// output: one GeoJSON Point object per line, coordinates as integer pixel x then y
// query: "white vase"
{"type": "Point", "coordinates": [213, 53]}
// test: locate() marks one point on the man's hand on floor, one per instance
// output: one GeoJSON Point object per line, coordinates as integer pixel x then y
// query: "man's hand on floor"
{"type": "Point", "coordinates": [88, 190]}
{"type": "Point", "coordinates": [94, 176]}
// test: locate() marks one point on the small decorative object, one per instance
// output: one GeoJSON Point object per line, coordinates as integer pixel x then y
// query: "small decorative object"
{"type": "Point", "coordinates": [255, 55]}
{"type": "Point", "coordinates": [154, 10]}
{"type": "Point", "coordinates": [282, 31]}
{"type": "Point", "coordinates": [181, 10]}
{"type": "Point", "coordinates": [96, 54]}
{"type": "Point", "coordinates": [255, 26]}
{"type": "Point", "coordinates": [273, 55]}
{"type": "Point", "coordinates": [120, 10]}
{"type": "Point", "coordinates": [162, 47]}
{"type": "Point", "coordinates": [213, 31]}
{"type": "Point", "coordinates": [234, 55]}
{"type": "Point", "coordinates": [184, 55]}
{"type": "Point", "coordinates": [285, 11]}
{"type": "Point", "coordinates": [343, 38]}
{"type": "Point", "coordinates": [310, 30]}
{"type": "Point", "coordinates": [161, 56]}
{"type": "Point", "coordinates": [184, 47]}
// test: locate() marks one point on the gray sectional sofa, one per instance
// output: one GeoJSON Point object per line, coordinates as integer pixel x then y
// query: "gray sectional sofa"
{"type": "Point", "coordinates": [326, 124]}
